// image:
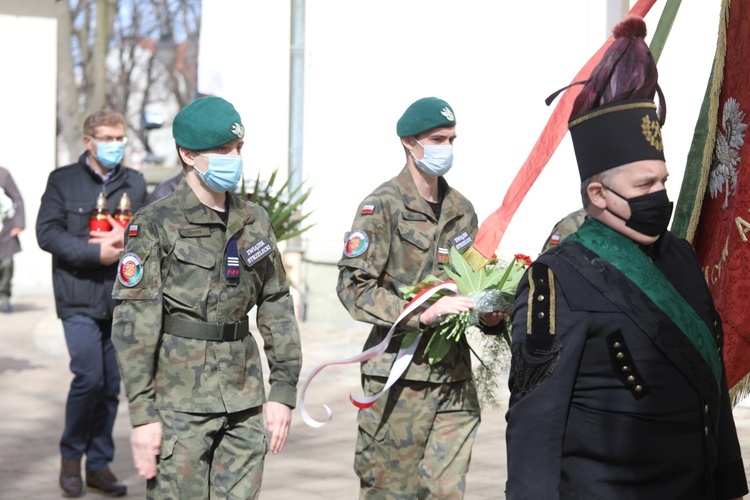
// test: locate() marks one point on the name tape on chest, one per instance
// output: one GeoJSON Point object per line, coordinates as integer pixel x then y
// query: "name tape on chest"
{"type": "Point", "coordinates": [195, 232]}
{"type": "Point", "coordinates": [413, 216]}
{"type": "Point", "coordinates": [256, 252]}
{"type": "Point", "coordinates": [462, 241]}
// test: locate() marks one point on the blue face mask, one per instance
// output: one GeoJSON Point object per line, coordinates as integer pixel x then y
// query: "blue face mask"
{"type": "Point", "coordinates": [437, 160]}
{"type": "Point", "coordinates": [224, 172]}
{"type": "Point", "coordinates": [110, 154]}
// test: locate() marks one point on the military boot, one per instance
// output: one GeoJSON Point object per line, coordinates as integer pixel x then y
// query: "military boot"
{"type": "Point", "coordinates": [71, 483]}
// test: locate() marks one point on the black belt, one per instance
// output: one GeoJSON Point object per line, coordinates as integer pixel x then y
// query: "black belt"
{"type": "Point", "coordinates": [198, 330]}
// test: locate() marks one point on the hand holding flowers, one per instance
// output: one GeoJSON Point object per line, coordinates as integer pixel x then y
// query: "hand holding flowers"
{"type": "Point", "coordinates": [453, 306]}
{"type": "Point", "coordinates": [486, 294]}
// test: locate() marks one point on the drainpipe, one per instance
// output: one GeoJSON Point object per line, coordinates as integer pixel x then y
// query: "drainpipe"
{"type": "Point", "coordinates": [296, 92]}
{"type": "Point", "coordinates": [293, 253]}
{"type": "Point", "coordinates": [616, 11]}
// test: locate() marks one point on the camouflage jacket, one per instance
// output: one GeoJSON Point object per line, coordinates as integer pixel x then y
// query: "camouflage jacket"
{"type": "Point", "coordinates": [181, 246]}
{"type": "Point", "coordinates": [401, 243]}
{"type": "Point", "coordinates": [564, 228]}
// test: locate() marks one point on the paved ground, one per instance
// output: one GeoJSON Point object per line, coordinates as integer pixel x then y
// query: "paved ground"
{"type": "Point", "coordinates": [316, 463]}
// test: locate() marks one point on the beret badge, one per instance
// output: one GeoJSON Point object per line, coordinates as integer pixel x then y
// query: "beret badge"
{"type": "Point", "coordinates": [238, 130]}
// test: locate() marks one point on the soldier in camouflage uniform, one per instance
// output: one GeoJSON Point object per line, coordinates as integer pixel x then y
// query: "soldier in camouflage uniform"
{"type": "Point", "coordinates": [195, 263]}
{"type": "Point", "coordinates": [416, 441]}
{"type": "Point", "coordinates": [564, 228]}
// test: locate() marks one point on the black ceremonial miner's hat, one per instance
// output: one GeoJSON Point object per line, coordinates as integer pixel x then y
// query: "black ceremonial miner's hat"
{"type": "Point", "coordinates": [616, 134]}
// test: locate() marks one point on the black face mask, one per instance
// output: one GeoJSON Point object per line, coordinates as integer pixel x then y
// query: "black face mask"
{"type": "Point", "coordinates": [649, 213]}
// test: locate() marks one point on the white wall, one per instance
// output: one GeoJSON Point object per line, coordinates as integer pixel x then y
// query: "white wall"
{"type": "Point", "coordinates": [494, 62]}
{"type": "Point", "coordinates": [28, 96]}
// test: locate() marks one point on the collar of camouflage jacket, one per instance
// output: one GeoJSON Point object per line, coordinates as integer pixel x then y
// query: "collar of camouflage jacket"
{"type": "Point", "coordinates": [198, 213]}
{"type": "Point", "coordinates": [451, 206]}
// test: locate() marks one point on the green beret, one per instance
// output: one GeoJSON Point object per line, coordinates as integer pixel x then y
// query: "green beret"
{"type": "Point", "coordinates": [425, 114]}
{"type": "Point", "coordinates": [207, 123]}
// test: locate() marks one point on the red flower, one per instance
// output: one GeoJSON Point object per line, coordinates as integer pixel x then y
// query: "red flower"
{"type": "Point", "coordinates": [525, 258]}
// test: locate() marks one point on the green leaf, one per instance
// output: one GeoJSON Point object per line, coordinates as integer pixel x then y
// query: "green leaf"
{"type": "Point", "coordinates": [467, 280]}
{"type": "Point", "coordinates": [513, 277]}
{"type": "Point", "coordinates": [282, 205]}
{"type": "Point", "coordinates": [409, 339]}
{"type": "Point", "coordinates": [437, 348]}
{"type": "Point", "coordinates": [495, 277]}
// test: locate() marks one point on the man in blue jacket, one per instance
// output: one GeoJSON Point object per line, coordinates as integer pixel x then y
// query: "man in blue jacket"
{"type": "Point", "coordinates": [84, 266]}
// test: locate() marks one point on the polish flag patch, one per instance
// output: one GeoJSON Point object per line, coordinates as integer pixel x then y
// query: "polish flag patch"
{"type": "Point", "coordinates": [133, 230]}
{"type": "Point", "coordinates": [368, 209]}
{"type": "Point", "coordinates": [554, 239]}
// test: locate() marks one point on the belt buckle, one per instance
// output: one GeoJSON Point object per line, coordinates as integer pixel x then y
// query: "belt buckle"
{"type": "Point", "coordinates": [231, 332]}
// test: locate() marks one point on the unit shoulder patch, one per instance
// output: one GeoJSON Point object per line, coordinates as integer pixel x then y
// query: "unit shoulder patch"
{"type": "Point", "coordinates": [356, 243]}
{"type": "Point", "coordinates": [130, 270]}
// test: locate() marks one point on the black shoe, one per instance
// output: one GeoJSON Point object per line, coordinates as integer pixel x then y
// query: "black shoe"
{"type": "Point", "coordinates": [5, 306]}
{"type": "Point", "coordinates": [105, 482]}
{"type": "Point", "coordinates": [71, 483]}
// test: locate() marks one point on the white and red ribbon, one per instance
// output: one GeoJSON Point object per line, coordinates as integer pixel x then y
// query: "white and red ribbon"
{"type": "Point", "coordinates": [403, 359]}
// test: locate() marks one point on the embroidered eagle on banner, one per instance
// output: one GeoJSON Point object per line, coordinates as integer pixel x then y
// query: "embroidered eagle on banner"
{"type": "Point", "coordinates": [726, 158]}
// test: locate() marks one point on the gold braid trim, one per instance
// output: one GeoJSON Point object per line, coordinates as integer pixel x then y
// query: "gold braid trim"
{"type": "Point", "coordinates": [713, 109]}
{"type": "Point", "coordinates": [613, 109]}
{"type": "Point", "coordinates": [552, 301]}
{"type": "Point", "coordinates": [530, 302]}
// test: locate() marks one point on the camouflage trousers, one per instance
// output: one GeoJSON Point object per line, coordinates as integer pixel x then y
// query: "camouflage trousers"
{"type": "Point", "coordinates": [415, 441]}
{"type": "Point", "coordinates": [210, 456]}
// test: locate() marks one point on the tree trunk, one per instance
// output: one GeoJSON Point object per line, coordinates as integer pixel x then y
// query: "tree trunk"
{"type": "Point", "coordinates": [68, 115]}
{"type": "Point", "coordinates": [98, 98]}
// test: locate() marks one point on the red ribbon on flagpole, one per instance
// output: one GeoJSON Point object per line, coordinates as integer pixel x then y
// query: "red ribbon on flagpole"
{"type": "Point", "coordinates": [493, 228]}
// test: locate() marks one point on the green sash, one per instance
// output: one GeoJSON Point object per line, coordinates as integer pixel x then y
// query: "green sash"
{"type": "Point", "coordinates": [624, 254]}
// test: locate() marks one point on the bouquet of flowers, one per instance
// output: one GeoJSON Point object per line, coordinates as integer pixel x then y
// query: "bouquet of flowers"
{"type": "Point", "coordinates": [493, 288]}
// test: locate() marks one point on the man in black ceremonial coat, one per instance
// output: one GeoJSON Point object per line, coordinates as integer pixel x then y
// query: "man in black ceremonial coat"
{"type": "Point", "coordinates": [618, 388]}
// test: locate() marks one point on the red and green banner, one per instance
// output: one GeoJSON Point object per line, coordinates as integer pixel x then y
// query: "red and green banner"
{"type": "Point", "coordinates": [713, 210]}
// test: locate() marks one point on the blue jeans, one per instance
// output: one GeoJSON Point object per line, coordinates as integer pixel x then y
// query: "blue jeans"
{"type": "Point", "coordinates": [94, 393]}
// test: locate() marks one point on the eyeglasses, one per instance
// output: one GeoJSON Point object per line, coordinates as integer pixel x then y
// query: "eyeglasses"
{"type": "Point", "coordinates": [108, 138]}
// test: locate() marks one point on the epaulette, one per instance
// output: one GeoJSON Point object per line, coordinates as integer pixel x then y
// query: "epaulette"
{"type": "Point", "coordinates": [540, 315]}
{"type": "Point", "coordinates": [536, 356]}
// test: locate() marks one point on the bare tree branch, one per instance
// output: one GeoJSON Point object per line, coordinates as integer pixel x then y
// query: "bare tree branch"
{"type": "Point", "coordinates": [107, 57]}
